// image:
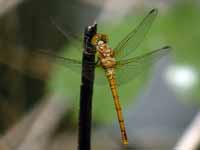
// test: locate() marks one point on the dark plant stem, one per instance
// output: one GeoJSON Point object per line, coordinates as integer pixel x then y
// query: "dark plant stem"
{"type": "Point", "coordinates": [85, 112]}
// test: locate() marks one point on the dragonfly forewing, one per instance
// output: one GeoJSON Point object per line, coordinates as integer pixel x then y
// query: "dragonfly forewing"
{"type": "Point", "coordinates": [130, 43]}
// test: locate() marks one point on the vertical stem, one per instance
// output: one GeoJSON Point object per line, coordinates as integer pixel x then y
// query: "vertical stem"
{"type": "Point", "coordinates": [85, 112]}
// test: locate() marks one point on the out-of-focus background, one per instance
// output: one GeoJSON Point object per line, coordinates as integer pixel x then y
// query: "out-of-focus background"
{"type": "Point", "coordinates": [39, 98]}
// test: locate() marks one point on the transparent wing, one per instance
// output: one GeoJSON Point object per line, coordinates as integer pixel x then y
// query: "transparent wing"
{"type": "Point", "coordinates": [127, 70]}
{"type": "Point", "coordinates": [74, 65]}
{"type": "Point", "coordinates": [71, 37]}
{"type": "Point", "coordinates": [130, 43]}
{"type": "Point", "coordinates": [100, 76]}
{"type": "Point", "coordinates": [38, 63]}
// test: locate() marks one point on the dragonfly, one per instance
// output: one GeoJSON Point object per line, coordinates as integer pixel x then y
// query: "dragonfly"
{"type": "Point", "coordinates": [109, 60]}
{"type": "Point", "coordinates": [115, 66]}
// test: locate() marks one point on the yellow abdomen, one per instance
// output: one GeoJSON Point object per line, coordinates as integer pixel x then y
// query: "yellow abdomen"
{"type": "Point", "coordinates": [110, 73]}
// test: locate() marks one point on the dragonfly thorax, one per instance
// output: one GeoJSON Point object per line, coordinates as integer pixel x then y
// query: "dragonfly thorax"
{"type": "Point", "coordinates": [104, 49]}
{"type": "Point", "coordinates": [105, 55]}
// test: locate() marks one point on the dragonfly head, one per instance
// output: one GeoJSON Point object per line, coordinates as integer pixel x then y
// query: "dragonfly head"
{"type": "Point", "coordinates": [98, 38]}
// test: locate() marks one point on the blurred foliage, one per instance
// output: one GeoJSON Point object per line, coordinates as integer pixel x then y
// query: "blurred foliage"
{"type": "Point", "coordinates": [178, 27]}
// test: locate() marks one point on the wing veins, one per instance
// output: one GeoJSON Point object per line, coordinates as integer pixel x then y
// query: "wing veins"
{"type": "Point", "coordinates": [137, 59]}
{"type": "Point", "coordinates": [128, 69]}
{"type": "Point", "coordinates": [146, 23]}
{"type": "Point", "coordinates": [57, 57]}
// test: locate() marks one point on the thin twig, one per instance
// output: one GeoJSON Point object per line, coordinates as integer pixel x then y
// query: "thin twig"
{"type": "Point", "coordinates": [85, 113]}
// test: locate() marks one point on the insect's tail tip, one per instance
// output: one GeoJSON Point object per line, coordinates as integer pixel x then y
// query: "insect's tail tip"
{"type": "Point", "coordinates": [125, 142]}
